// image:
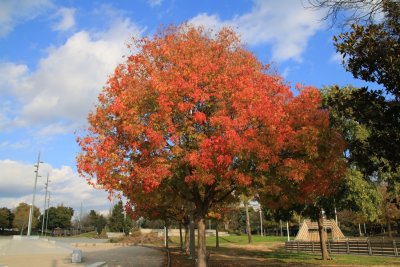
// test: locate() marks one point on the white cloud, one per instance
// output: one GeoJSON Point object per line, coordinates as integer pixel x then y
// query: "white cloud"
{"type": "Point", "coordinates": [336, 58]}
{"type": "Point", "coordinates": [66, 187]}
{"type": "Point", "coordinates": [13, 12]}
{"type": "Point", "coordinates": [60, 92]}
{"type": "Point", "coordinates": [154, 3]}
{"type": "Point", "coordinates": [67, 19]}
{"type": "Point", "coordinates": [286, 25]}
{"type": "Point", "coordinates": [11, 75]}
{"type": "Point", "coordinates": [23, 144]}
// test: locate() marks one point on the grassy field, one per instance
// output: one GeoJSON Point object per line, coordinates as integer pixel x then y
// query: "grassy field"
{"type": "Point", "coordinates": [235, 251]}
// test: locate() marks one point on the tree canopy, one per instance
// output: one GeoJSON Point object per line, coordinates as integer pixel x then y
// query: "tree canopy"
{"type": "Point", "coordinates": [21, 216]}
{"type": "Point", "coordinates": [117, 219]}
{"type": "Point", "coordinates": [59, 216]}
{"type": "Point", "coordinates": [371, 52]}
{"type": "Point", "coordinates": [6, 218]}
{"type": "Point", "coordinates": [194, 110]}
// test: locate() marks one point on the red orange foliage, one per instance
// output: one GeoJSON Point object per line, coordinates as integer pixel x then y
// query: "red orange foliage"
{"type": "Point", "coordinates": [197, 113]}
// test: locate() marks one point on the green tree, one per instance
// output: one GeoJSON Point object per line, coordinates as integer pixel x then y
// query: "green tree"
{"type": "Point", "coordinates": [59, 216]}
{"type": "Point", "coordinates": [101, 222]}
{"type": "Point", "coordinates": [371, 126]}
{"type": "Point", "coordinates": [359, 195]}
{"type": "Point", "coordinates": [97, 221]}
{"type": "Point", "coordinates": [371, 52]}
{"type": "Point", "coordinates": [93, 216]}
{"type": "Point", "coordinates": [116, 221]}
{"type": "Point", "coordinates": [6, 218]}
{"type": "Point", "coordinates": [21, 217]}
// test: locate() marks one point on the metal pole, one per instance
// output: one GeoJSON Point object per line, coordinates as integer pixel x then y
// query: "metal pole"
{"type": "Point", "coordinates": [45, 201]}
{"type": "Point", "coordinates": [336, 217]}
{"type": "Point", "coordinates": [33, 199]}
{"type": "Point", "coordinates": [287, 229]}
{"type": "Point", "coordinates": [261, 222]}
{"type": "Point", "coordinates": [80, 219]}
{"type": "Point", "coordinates": [47, 216]}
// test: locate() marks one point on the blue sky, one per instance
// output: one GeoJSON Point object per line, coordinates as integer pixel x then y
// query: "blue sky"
{"type": "Point", "coordinates": [55, 57]}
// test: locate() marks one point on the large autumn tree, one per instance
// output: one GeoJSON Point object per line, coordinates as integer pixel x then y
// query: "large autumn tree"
{"type": "Point", "coordinates": [194, 112]}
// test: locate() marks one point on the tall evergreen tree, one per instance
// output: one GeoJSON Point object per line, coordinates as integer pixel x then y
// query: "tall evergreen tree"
{"type": "Point", "coordinates": [116, 221]}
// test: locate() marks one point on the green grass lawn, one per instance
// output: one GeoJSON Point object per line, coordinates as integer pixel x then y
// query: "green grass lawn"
{"type": "Point", "coordinates": [235, 251]}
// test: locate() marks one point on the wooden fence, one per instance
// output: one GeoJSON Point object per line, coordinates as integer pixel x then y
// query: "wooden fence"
{"type": "Point", "coordinates": [370, 247]}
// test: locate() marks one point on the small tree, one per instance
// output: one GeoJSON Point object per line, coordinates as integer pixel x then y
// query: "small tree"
{"type": "Point", "coordinates": [101, 222]}
{"type": "Point", "coordinates": [59, 216]}
{"type": "Point", "coordinates": [116, 221]}
{"type": "Point", "coordinates": [6, 219]}
{"type": "Point", "coordinates": [21, 217]}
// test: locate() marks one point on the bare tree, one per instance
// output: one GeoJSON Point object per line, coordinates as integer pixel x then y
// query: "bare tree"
{"type": "Point", "coordinates": [351, 11]}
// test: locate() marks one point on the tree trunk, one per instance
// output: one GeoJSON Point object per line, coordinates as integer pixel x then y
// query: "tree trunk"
{"type": "Point", "coordinates": [192, 237]}
{"type": "Point", "coordinates": [389, 227]}
{"type": "Point", "coordinates": [166, 236]}
{"type": "Point", "coordinates": [201, 244]}
{"type": "Point", "coordinates": [180, 236]}
{"type": "Point", "coordinates": [398, 227]}
{"type": "Point", "coordinates": [248, 228]}
{"type": "Point", "coordinates": [216, 235]}
{"type": "Point", "coordinates": [322, 236]}
{"type": "Point", "coordinates": [187, 243]}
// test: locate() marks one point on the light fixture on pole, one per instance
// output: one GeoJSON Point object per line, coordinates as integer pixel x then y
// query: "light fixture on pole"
{"type": "Point", "coordinates": [45, 201]}
{"type": "Point", "coordinates": [34, 193]}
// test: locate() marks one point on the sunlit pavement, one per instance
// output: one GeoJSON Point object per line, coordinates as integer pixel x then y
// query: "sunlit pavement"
{"type": "Point", "coordinates": [57, 253]}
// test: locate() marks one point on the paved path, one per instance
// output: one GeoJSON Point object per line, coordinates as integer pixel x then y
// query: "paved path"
{"type": "Point", "coordinates": [42, 253]}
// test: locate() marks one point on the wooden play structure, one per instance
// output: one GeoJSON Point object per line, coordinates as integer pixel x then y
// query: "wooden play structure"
{"type": "Point", "coordinates": [309, 231]}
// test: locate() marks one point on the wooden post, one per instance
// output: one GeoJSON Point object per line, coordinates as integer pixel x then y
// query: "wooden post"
{"type": "Point", "coordinates": [312, 246]}
{"type": "Point", "coordinates": [347, 246]}
{"type": "Point", "coordinates": [369, 247]}
{"type": "Point", "coordinates": [396, 254]}
{"type": "Point", "coordinates": [329, 247]}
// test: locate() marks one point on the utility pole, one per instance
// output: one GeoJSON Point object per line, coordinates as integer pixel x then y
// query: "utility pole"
{"type": "Point", "coordinates": [45, 201]}
{"type": "Point", "coordinates": [34, 193]}
{"type": "Point", "coordinates": [80, 219]}
{"type": "Point", "coordinates": [47, 216]}
{"type": "Point", "coordinates": [287, 230]}
{"type": "Point", "coordinates": [261, 222]}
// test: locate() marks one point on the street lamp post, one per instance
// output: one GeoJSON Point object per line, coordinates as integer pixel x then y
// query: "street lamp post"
{"type": "Point", "coordinates": [261, 223]}
{"type": "Point", "coordinates": [45, 201]}
{"type": "Point", "coordinates": [34, 193]}
{"type": "Point", "coordinates": [47, 216]}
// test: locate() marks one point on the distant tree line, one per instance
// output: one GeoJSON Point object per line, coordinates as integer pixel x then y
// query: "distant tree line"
{"type": "Point", "coordinates": [59, 218]}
